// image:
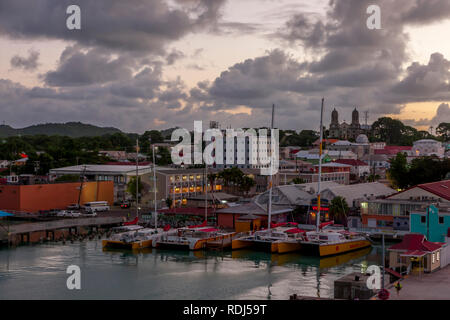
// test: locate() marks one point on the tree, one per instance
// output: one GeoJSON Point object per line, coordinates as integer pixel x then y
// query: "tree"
{"type": "Point", "coordinates": [443, 131]}
{"type": "Point", "coordinates": [339, 209]}
{"type": "Point", "coordinates": [398, 172]}
{"type": "Point", "coordinates": [246, 183]}
{"type": "Point", "coordinates": [298, 181]}
{"type": "Point", "coordinates": [131, 186]}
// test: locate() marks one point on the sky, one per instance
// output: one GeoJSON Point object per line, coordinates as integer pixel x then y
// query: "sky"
{"type": "Point", "coordinates": [153, 64]}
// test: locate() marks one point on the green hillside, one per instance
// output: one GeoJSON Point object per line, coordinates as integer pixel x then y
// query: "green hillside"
{"type": "Point", "coordinates": [70, 129]}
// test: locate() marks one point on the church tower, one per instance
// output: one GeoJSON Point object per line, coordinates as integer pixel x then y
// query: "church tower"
{"type": "Point", "coordinates": [355, 127]}
{"type": "Point", "coordinates": [334, 126]}
{"type": "Point", "coordinates": [355, 117]}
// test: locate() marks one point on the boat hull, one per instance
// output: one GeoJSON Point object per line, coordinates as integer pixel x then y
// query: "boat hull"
{"type": "Point", "coordinates": [324, 250]}
{"type": "Point", "coordinates": [192, 245]}
{"type": "Point", "coordinates": [286, 247]}
{"type": "Point", "coordinates": [127, 245]}
{"type": "Point", "coordinates": [269, 246]}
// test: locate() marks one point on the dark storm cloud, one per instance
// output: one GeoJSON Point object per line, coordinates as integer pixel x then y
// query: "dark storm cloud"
{"type": "Point", "coordinates": [426, 11]}
{"type": "Point", "coordinates": [29, 64]}
{"type": "Point", "coordinates": [132, 25]}
{"type": "Point", "coordinates": [80, 67]}
{"type": "Point", "coordinates": [426, 82]}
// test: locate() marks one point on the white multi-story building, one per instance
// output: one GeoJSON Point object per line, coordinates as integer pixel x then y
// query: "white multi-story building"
{"type": "Point", "coordinates": [428, 147]}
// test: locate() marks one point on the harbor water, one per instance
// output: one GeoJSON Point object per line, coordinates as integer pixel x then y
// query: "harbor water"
{"type": "Point", "coordinates": [39, 272]}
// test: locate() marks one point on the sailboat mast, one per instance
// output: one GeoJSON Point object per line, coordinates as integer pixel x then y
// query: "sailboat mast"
{"type": "Point", "coordinates": [320, 167]}
{"type": "Point", "coordinates": [154, 187]}
{"type": "Point", "coordinates": [206, 192]}
{"type": "Point", "coordinates": [271, 173]}
{"type": "Point", "coordinates": [137, 178]}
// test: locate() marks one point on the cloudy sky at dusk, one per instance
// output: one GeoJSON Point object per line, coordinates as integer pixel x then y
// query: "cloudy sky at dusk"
{"type": "Point", "coordinates": [154, 64]}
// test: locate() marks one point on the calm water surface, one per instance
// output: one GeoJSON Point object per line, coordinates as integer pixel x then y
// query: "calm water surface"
{"type": "Point", "coordinates": [39, 272]}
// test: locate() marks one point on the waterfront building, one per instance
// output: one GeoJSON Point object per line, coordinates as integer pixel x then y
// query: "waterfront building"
{"type": "Point", "coordinates": [119, 174]}
{"type": "Point", "coordinates": [355, 194]}
{"type": "Point", "coordinates": [433, 223]}
{"type": "Point", "coordinates": [394, 211]}
{"type": "Point", "coordinates": [36, 197]}
{"type": "Point", "coordinates": [415, 253]}
{"type": "Point", "coordinates": [434, 191]}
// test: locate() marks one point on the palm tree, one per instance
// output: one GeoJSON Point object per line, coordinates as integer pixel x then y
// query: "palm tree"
{"type": "Point", "coordinates": [339, 208]}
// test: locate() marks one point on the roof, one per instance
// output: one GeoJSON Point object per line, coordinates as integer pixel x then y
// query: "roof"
{"type": "Point", "coordinates": [392, 149]}
{"type": "Point", "coordinates": [217, 195]}
{"type": "Point", "coordinates": [254, 209]}
{"type": "Point", "coordinates": [415, 242]}
{"type": "Point", "coordinates": [352, 162]}
{"type": "Point", "coordinates": [353, 192]}
{"type": "Point", "coordinates": [99, 168]}
{"type": "Point", "coordinates": [128, 163]}
{"type": "Point", "coordinates": [334, 164]}
{"type": "Point", "coordinates": [440, 188]}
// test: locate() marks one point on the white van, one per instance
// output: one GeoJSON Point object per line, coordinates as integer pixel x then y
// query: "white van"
{"type": "Point", "coordinates": [96, 206]}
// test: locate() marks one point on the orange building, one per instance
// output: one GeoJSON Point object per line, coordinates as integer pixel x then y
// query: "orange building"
{"type": "Point", "coordinates": [32, 198]}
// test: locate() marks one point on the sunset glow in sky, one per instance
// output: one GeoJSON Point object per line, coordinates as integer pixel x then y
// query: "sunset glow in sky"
{"type": "Point", "coordinates": [154, 64]}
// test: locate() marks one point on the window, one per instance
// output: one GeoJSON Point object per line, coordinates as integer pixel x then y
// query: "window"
{"type": "Point", "coordinates": [423, 219]}
{"type": "Point", "coordinates": [441, 220]}
{"type": "Point", "coordinates": [433, 258]}
{"type": "Point", "coordinates": [437, 255]}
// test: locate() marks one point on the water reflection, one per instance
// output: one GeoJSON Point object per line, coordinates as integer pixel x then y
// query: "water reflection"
{"type": "Point", "coordinates": [167, 274]}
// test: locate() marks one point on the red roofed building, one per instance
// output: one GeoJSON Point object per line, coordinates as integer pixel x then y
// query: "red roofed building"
{"type": "Point", "coordinates": [359, 168]}
{"type": "Point", "coordinates": [415, 252]}
{"type": "Point", "coordinates": [435, 191]}
{"type": "Point", "coordinates": [393, 150]}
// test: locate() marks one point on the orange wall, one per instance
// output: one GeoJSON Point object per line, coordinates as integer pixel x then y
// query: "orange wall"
{"type": "Point", "coordinates": [366, 217]}
{"type": "Point", "coordinates": [32, 198]}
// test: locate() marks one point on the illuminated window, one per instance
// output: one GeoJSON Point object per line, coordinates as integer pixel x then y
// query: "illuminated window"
{"type": "Point", "coordinates": [433, 258]}
{"type": "Point", "coordinates": [199, 177]}
{"type": "Point", "coordinates": [184, 178]}
{"type": "Point", "coordinates": [437, 255]}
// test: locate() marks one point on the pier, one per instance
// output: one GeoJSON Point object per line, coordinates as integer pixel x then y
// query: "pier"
{"type": "Point", "coordinates": [24, 231]}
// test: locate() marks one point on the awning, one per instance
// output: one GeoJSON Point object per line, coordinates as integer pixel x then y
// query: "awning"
{"type": "Point", "coordinates": [209, 230]}
{"type": "Point", "coordinates": [414, 253]}
{"type": "Point", "coordinates": [5, 214]}
{"type": "Point", "coordinates": [295, 230]}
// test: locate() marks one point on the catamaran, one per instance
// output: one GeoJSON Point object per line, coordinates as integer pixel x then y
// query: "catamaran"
{"type": "Point", "coordinates": [139, 237]}
{"type": "Point", "coordinates": [324, 242]}
{"type": "Point", "coordinates": [192, 238]}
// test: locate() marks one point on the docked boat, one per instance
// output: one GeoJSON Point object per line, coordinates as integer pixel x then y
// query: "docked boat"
{"type": "Point", "coordinates": [328, 243]}
{"type": "Point", "coordinates": [192, 238]}
{"type": "Point", "coordinates": [136, 239]}
{"type": "Point", "coordinates": [326, 240]}
{"type": "Point", "coordinates": [268, 240]}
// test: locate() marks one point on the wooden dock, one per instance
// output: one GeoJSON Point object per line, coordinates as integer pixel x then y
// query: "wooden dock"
{"type": "Point", "coordinates": [24, 230]}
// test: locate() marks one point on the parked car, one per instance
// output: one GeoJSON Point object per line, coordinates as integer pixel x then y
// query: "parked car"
{"type": "Point", "coordinates": [68, 213]}
{"type": "Point", "coordinates": [90, 214]}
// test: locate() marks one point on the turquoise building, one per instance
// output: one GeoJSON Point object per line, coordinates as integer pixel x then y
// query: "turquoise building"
{"type": "Point", "coordinates": [434, 225]}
